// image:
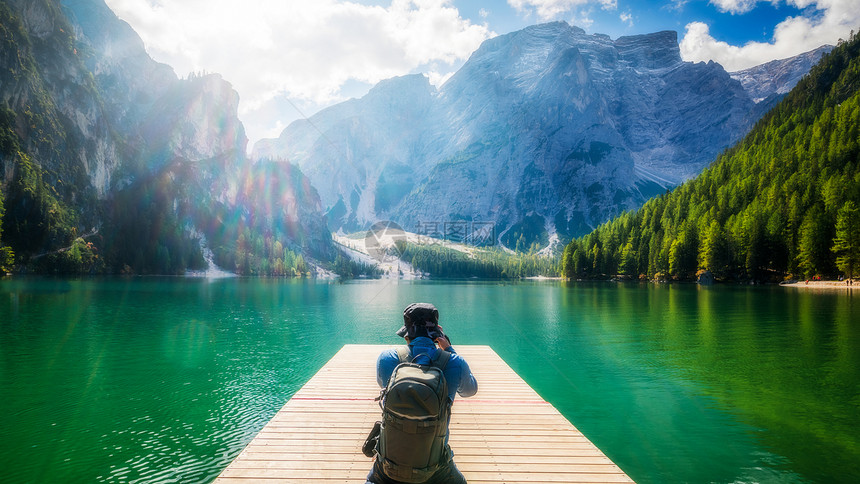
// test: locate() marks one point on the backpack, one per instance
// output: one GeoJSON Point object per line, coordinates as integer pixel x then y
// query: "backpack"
{"type": "Point", "coordinates": [415, 411]}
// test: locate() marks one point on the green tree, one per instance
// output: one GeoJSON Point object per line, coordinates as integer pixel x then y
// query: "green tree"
{"type": "Point", "coordinates": [567, 266]}
{"type": "Point", "coordinates": [7, 257]}
{"type": "Point", "coordinates": [597, 261]}
{"type": "Point", "coordinates": [754, 242]}
{"type": "Point", "coordinates": [628, 260]}
{"type": "Point", "coordinates": [682, 255]}
{"type": "Point", "coordinates": [812, 246]}
{"type": "Point", "coordinates": [713, 254]}
{"type": "Point", "coordinates": [301, 266]}
{"type": "Point", "coordinates": [579, 261]}
{"type": "Point", "coordinates": [846, 244]}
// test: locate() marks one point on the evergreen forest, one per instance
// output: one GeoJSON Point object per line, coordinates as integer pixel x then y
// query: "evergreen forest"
{"type": "Point", "coordinates": [444, 262]}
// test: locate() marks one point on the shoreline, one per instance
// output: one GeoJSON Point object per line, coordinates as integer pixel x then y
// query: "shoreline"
{"type": "Point", "coordinates": [824, 285]}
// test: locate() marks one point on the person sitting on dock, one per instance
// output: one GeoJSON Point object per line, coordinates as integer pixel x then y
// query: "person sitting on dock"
{"type": "Point", "coordinates": [402, 439]}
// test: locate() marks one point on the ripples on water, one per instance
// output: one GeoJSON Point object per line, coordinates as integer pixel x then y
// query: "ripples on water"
{"type": "Point", "coordinates": [166, 380]}
{"type": "Point", "coordinates": [149, 380]}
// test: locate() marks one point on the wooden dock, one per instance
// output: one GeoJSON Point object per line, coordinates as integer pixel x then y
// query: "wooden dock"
{"type": "Point", "coordinates": [506, 433]}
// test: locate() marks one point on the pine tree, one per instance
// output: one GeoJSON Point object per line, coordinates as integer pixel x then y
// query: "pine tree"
{"type": "Point", "coordinates": [567, 269]}
{"type": "Point", "coordinates": [578, 261]}
{"type": "Point", "coordinates": [846, 244]}
{"type": "Point", "coordinates": [713, 252]}
{"type": "Point", "coordinates": [6, 255]}
{"type": "Point", "coordinates": [811, 242]}
{"type": "Point", "coordinates": [628, 260]}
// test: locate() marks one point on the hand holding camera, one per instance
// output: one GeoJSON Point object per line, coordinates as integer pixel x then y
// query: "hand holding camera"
{"type": "Point", "coordinates": [441, 339]}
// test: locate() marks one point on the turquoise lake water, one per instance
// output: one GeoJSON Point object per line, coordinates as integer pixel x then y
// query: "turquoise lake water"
{"type": "Point", "coordinates": [167, 379]}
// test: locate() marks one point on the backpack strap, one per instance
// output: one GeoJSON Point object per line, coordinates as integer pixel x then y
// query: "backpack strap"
{"type": "Point", "coordinates": [441, 359]}
{"type": "Point", "coordinates": [403, 354]}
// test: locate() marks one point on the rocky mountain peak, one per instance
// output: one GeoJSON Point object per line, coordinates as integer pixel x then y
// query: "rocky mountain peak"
{"type": "Point", "coordinates": [545, 132]}
{"type": "Point", "coordinates": [777, 77]}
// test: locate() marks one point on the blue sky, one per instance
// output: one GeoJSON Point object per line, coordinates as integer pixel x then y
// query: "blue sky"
{"type": "Point", "coordinates": [736, 22]}
{"type": "Point", "coordinates": [290, 58]}
{"type": "Point", "coordinates": [645, 17]}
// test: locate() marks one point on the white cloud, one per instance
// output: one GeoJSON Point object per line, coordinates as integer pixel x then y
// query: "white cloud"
{"type": "Point", "coordinates": [306, 50]}
{"type": "Point", "coordinates": [627, 18]}
{"type": "Point", "coordinates": [734, 6]}
{"type": "Point", "coordinates": [584, 21]}
{"type": "Point", "coordinates": [608, 4]}
{"type": "Point", "coordinates": [439, 78]}
{"type": "Point", "coordinates": [676, 5]}
{"type": "Point", "coordinates": [552, 9]}
{"type": "Point", "coordinates": [830, 21]}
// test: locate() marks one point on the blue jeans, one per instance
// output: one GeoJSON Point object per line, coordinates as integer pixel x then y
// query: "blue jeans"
{"type": "Point", "coordinates": [447, 474]}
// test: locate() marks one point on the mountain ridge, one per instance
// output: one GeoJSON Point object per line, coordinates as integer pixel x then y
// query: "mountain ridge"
{"type": "Point", "coordinates": [559, 130]}
{"type": "Point", "coordinates": [779, 76]}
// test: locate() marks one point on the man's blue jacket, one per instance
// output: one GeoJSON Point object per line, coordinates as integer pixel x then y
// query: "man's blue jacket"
{"type": "Point", "coordinates": [457, 374]}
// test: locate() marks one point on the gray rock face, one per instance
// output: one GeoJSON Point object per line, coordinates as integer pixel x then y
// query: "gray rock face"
{"type": "Point", "coordinates": [544, 132]}
{"type": "Point", "coordinates": [55, 103]}
{"type": "Point", "coordinates": [115, 109]}
{"type": "Point", "coordinates": [129, 80]}
{"type": "Point", "coordinates": [163, 116]}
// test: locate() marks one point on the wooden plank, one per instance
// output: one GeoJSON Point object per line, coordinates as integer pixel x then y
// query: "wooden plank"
{"type": "Point", "coordinates": [505, 433]}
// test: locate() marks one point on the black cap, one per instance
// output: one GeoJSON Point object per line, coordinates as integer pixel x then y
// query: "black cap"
{"type": "Point", "coordinates": [417, 316]}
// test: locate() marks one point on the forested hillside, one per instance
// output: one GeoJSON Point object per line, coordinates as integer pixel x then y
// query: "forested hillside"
{"type": "Point", "coordinates": [782, 203]}
{"type": "Point", "coordinates": [491, 263]}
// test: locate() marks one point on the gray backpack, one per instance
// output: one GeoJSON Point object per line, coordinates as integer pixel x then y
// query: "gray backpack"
{"type": "Point", "coordinates": [415, 410]}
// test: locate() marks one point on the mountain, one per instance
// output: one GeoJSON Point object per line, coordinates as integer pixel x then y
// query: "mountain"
{"type": "Point", "coordinates": [110, 162]}
{"type": "Point", "coordinates": [543, 133]}
{"type": "Point", "coordinates": [781, 203]}
{"type": "Point", "coordinates": [778, 77]}
{"type": "Point", "coordinates": [362, 155]}
{"type": "Point", "coordinates": [767, 83]}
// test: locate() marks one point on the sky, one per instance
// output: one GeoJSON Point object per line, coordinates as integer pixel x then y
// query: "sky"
{"type": "Point", "coordinates": [288, 59]}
